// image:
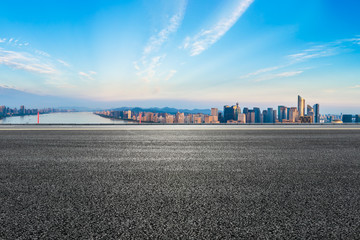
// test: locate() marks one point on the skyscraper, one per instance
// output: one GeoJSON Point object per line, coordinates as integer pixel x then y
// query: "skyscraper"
{"type": "Point", "coordinates": [229, 113]}
{"type": "Point", "coordinates": [310, 112]}
{"type": "Point", "coordinates": [257, 115]}
{"type": "Point", "coordinates": [357, 118]}
{"type": "Point", "coordinates": [282, 113]}
{"type": "Point", "coordinates": [347, 118]}
{"type": "Point", "coordinates": [22, 110]}
{"type": "Point", "coordinates": [301, 106]}
{"type": "Point", "coordinates": [293, 114]}
{"type": "Point", "coordinates": [265, 116]}
{"type": "Point", "coordinates": [317, 113]}
{"type": "Point", "coordinates": [237, 110]}
{"type": "Point", "coordinates": [245, 110]}
{"type": "Point", "coordinates": [270, 115]}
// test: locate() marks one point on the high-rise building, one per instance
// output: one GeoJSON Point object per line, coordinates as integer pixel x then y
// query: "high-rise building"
{"type": "Point", "coordinates": [282, 113]}
{"type": "Point", "coordinates": [309, 109]}
{"type": "Point", "coordinates": [347, 118]}
{"type": "Point", "coordinates": [357, 118]}
{"type": "Point", "coordinates": [179, 118]}
{"type": "Point", "coordinates": [246, 110]}
{"type": "Point", "coordinates": [22, 110]}
{"type": "Point", "coordinates": [228, 113]}
{"type": "Point", "coordinates": [237, 110]}
{"type": "Point", "coordinates": [214, 115]}
{"type": "Point", "coordinates": [279, 113]}
{"type": "Point", "coordinates": [310, 112]}
{"type": "Point", "coordinates": [2, 110]}
{"type": "Point", "coordinates": [127, 114]}
{"type": "Point", "coordinates": [293, 114]}
{"type": "Point", "coordinates": [270, 116]}
{"type": "Point", "coordinates": [316, 113]}
{"type": "Point", "coordinates": [250, 116]}
{"type": "Point", "coordinates": [301, 106]}
{"type": "Point", "coordinates": [214, 112]}
{"type": "Point", "coordinates": [257, 115]}
{"type": "Point", "coordinates": [242, 118]}
{"type": "Point", "coordinates": [265, 116]}
{"type": "Point", "coordinates": [169, 118]}
{"type": "Point", "coordinates": [274, 115]}
{"type": "Point", "coordinates": [231, 113]}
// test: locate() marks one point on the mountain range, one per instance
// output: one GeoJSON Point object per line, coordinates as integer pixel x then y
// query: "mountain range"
{"type": "Point", "coordinates": [14, 98]}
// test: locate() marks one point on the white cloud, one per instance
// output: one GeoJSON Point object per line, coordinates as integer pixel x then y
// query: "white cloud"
{"type": "Point", "coordinates": [207, 37]}
{"type": "Point", "coordinates": [25, 61]}
{"type": "Point", "coordinates": [277, 76]}
{"type": "Point", "coordinates": [88, 76]}
{"type": "Point", "coordinates": [170, 75]}
{"type": "Point", "coordinates": [316, 51]}
{"type": "Point", "coordinates": [2, 40]}
{"type": "Point", "coordinates": [356, 86]}
{"type": "Point", "coordinates": [63, 63]}
{"type": "Point", "coordinates": [157, 40]}
{"type": "Point", "coordinates": [147, 66]}
{"type": "Point", "coordinates": [42, 53]}
{"type": "Point", "coordinates": [260, 71]}
{"type": "Point", "coordinates": [288, 74]}
{"type": "Point", "coordinates": [308, 54]}
{"type": "Point", "coordinates": [149, 71]}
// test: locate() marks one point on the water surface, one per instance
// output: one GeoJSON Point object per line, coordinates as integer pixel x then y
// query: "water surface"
{"type": "Point", "coordinates": [65, 118]}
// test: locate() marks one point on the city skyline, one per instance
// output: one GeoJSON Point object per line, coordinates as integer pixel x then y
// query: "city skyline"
{"type": "Point", "coordinates": [196, 53]}
{"type": "Point", "coordinates": [230, 114]}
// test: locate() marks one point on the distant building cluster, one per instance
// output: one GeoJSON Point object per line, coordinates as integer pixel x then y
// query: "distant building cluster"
{"type": "Point", "coordinates": [150, 117]}
{"type": "Point", "coordinates": [283, 114]}
{"type": "Point", "coordinates": [231, 114]}
{"type": "Point", "coordinates": [22, 111]}
{"type": "Point", "coordinates": [349, 118]}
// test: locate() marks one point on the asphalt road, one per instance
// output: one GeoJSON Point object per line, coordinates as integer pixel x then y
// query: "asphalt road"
{"type": "Point", "coordinates": [180, 184]}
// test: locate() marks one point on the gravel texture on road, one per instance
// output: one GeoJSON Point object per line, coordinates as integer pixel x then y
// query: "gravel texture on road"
{"type": "Point", "coordinates": [180, 184]}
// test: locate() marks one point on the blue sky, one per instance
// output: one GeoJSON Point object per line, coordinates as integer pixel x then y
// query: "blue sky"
{"type": "Point", "coordinates": [202, 52]}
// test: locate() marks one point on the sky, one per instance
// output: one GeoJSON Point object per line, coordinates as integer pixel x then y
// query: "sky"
{"type": "Point", "coordinates": [201, 53]}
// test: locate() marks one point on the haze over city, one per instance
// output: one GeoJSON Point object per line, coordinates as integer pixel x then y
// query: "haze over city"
{"type": "Point", "coordinates": [185, 54]}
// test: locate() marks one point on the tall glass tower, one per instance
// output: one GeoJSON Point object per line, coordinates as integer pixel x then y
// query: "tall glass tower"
{"type": "Point", "coordinates": [301, 106]}
{"type": "Point", "coordinates": [316, 113]}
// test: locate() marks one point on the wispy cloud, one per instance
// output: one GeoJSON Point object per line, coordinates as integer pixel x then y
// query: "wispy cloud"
{"type": "Point", "coordinates": [89, 75]}
{"type": "Point", "coordinates": [25, 61]}
{"type": "Point", "coordinates": [277, 76]}
{"type": "Point", "coordinates": [170, 75]}
{"type": "Point", "coordinates": [261, 71]}
{"type": "Point", "coordinates": [356, 86]}
{"type": "Point", "coordinates": [151, 60]}
{"type": "Point", "coordinates": [288, 74]}
{"type": "Point", "coordinates": [56, 72]}
{"type": "Point", "coordinates": [63, 63]}
{"type": "Point", "coordinates": [314, 52]}
{"type": "Point", "coordinates": [207, 37]}
{"type": "Point", "coordinates": [157, 40]}
{"type": "Point", "coordinates": [149, 66]}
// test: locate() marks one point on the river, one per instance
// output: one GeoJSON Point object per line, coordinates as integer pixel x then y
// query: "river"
{"type": "Point", "coordinates": [62, 118]}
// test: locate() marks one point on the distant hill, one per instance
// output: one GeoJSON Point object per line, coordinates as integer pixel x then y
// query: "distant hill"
{"type": "Point", "coordinates": [15, 98]}
{"type": "Point", "coordinates": [163, 110]}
